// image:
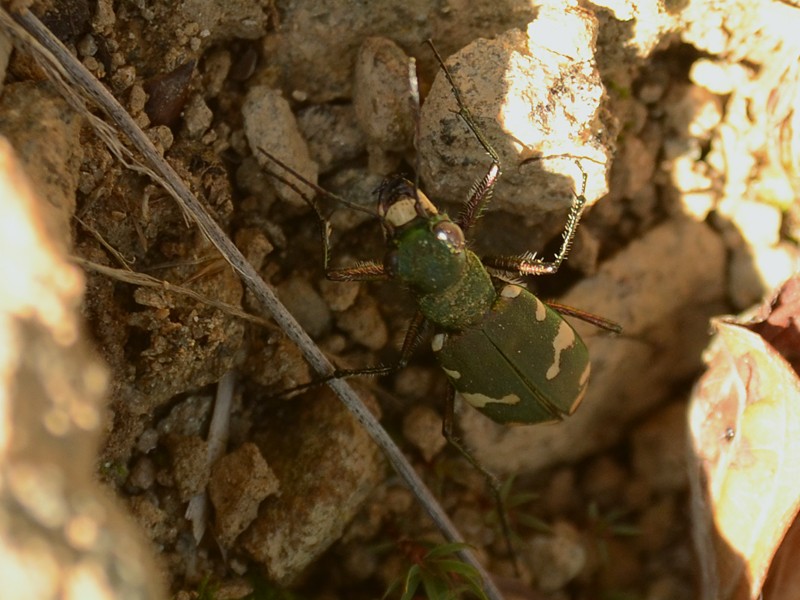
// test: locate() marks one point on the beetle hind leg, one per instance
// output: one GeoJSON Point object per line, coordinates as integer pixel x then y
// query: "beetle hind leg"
{"type": "Point", "coordinates": [448, 431]}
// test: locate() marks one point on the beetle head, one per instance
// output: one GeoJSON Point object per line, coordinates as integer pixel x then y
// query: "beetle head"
{"type": "Point", "coordinates": [427, 250]}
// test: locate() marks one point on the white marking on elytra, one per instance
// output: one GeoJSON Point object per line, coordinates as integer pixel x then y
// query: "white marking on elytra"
{"type": "Point", "coordinates": [563, 340]}
{"type": "Point", "coordinates": [452, 374]}
{"type": "Point", "coordinates": [541, 310]}
{"type": "Point", "coordinates": [480, 400]}
{"type": "Point", "coordinates": [577, 402]}
{"type": "Point", "coordinates": [437, 342]}
{"type": "Point", "coordinates": [510, 291]}
{"type": "Point", "coordinates": [585, 375]}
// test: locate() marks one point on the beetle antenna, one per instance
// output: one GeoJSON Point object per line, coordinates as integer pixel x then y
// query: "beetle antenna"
{"type": "Point", "coordinates": [319, 190]}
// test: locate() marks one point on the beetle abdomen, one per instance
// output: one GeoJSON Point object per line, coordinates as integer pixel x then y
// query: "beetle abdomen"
{"type": "Point", "coordinates": [522, 364]}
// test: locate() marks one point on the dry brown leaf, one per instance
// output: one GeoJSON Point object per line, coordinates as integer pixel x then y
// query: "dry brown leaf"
{"type": "Point", "coordinates": [745, 428]}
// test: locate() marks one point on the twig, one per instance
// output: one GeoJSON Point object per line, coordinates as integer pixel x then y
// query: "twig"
{"type": "Point", "coordinates": [59, 62]}
{"type": "Point", "coordinates": [144, 280]}
{"type": "Point", "coordinates": [197, 512]}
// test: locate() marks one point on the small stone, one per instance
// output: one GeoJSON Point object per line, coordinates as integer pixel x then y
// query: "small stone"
{"type": "Point", "coordinates": [327, 468]}
{"type": "Point", "coordinates": [757, 223]}
{"type": "Point", "coordinates": [640, 165]}
{"type": "Point", "coordinates": [216, 66]}
{"type": "Point", "coordinates": [422, 426]}
{"type": "Point", "coordinates": [189, 417]}
{"type": "Point", "coordinates": [694, 112]}
{"type": "Point", "coordinates": [659, 449]}
{"type": "Point", "coordinates": [151, 519]}
{"type": "Point", "coordinates": [239, 482]}
{"type": "Point", "coordinates": [414, 382]}
{"type": "Point", "coordinates": [381, 94]}
{"type": "Point", "coordinates": [718, 77]}
{"type": "Point", "coordinates": [364, 323]}
{"type": "Point", "coordinates": [306, 305]}
{"type": "Point", "coordinates": [756, 271]}
{"type": "Point", "coordinates": [123, 78]}
{"type": "Point", "coordinates": [236, 589]}
{"type": "Point", "coordinates": [189, 457]}
{"type": "Point", "coordinates": [197, 116]}
{"type": "Point", "coordinates": [254, 245]}
{"type": "Point", "coordinates": [556, 559]}
{"type": "Point", "coordinates": [162, 138]}
{"type": "Point", "coordinates": [143, 474]}
{"type": "Point", "coordinates": [147, 441]}
{"type": "Point", "coordinates": [519, 92]}
{"type": "Point", "coordinates": [137, 99]}
{"type": "Point", "coordinates": [333, 135]}
{"type": "Point", "coordinates": [270, 124]}
{"type": "Point", "coordinates": [340, 295]}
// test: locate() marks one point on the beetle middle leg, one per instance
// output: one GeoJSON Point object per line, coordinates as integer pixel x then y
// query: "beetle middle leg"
{"type": "Point", "coordinates": [414, 333]}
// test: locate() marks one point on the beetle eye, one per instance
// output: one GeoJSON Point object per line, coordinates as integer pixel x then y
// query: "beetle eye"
{"type": "Point", "coordinates": [449, 233]}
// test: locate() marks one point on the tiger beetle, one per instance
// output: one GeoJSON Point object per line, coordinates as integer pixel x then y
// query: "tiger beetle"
{"type": "Point", "coordinates": [510, 355]}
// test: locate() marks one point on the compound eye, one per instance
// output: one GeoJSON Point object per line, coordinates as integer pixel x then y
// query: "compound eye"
{"type": "Point", "coordinates": [449, 233]}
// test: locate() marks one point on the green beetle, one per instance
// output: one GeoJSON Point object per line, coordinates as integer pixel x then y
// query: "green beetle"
{"type": "Point", "coordinates": [507, 353]}
{"type": "Point", "coordinates": [510, 355]}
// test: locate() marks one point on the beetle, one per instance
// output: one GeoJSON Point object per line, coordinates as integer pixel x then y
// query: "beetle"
{"type": "Point", "coordinates": [510, 355]}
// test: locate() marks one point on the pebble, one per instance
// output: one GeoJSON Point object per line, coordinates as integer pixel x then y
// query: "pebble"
{"type": "Point", "coordinates": [239, 483]}
{"type": "Point", "coordinates": [422, 426]}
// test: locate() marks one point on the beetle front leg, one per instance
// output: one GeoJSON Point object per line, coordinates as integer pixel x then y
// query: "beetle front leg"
{"type": "Point", "coordinates": [528, 264]}
{"type": "Point", "coordinates": [481, 190]}
{"type": "Point", "coordinates": [448, 426]}
{"type": "Point", "coordinates": [365, 271]}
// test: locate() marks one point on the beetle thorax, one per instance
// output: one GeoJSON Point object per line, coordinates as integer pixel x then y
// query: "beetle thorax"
{"type": "Point", "coordinates": [428, 255]}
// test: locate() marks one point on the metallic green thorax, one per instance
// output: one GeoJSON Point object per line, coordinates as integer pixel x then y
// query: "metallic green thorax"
{"type": "Point", "coordinates": [453, 288]}
{"type": "Point", "coordinates": [522, 363]}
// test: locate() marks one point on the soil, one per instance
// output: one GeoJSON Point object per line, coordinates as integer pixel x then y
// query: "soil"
{"type": "Point", "coordinates": [667, 120]}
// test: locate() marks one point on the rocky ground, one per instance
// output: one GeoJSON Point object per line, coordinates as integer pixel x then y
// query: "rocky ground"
{"type": "Point", "coordinates": [679, 120]}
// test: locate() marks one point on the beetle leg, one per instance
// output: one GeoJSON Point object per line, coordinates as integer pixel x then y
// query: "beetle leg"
{"type": "Point", "coordinates": [367, 271]}
{"type": "Point", "coordinates": [481, 190]}
{"type": "Point", "coordinates": [528, 264]}
{"type": "Point", "coordinates": [448, 426]}
{"type": "Point", "coordinates": [587, 317]}
{"type": "Point", "coordinates": [414, 334]}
